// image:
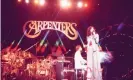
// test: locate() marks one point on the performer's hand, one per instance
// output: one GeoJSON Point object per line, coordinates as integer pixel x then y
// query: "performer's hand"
{"type": "Point", "coordinates": [100, 48]}
{"type": "Point", "coordinates": [84, 45]}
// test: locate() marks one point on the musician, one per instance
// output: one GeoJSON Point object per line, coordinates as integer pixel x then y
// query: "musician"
{"type": "Point", "coordinates": [79, 60]}
{"type": "Point", "coordinates": [93, 56]}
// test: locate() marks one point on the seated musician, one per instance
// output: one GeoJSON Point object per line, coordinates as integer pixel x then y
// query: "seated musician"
{"type": "Point", "coordinates": [79, 60]}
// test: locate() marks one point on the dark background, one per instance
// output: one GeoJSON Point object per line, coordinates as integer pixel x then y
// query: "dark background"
{"type": "Point", "coordinates": [113, 20]}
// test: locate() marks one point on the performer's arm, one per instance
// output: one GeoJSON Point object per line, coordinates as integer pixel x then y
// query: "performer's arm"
{"type": "Point", "coordinates": [97, 41]}
{"type": "Point", "coordinates": [97, 38]}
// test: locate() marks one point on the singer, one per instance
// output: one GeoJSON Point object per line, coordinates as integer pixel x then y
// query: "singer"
{"type": "Point", "coordinates": [93, 55]}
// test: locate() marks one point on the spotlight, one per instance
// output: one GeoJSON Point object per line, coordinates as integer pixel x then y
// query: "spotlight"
{"type": "Point", "coordinates": [19, 0]}
{"type": "Point", "coordinates": [65, 3]}
{"type": "Point", "coordinates": [27, 1]}
{"type": "Point", "coordinates": [85, 4]}
{"type": "Point", "coordinates": [80, 4]}
{"type": "Point", "coordinates": [41, 2]}
{"type": "Point", "coordinates": [68, 4]}
{"type": "Point", "coordinates": [36, 1]}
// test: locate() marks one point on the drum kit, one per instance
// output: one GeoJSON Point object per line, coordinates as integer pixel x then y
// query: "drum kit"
{"type": "Point", "coordinates": [24, 63]}
{"type": "Point", "coordinates": [40, 69]}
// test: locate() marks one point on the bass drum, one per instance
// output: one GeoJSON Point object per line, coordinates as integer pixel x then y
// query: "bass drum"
{"type": "Point", "coordinates": [44, 72]}
{"type": "Point", "coordinates": [31, 68]}
{"type": "Point", "coordinates": [42, 69]}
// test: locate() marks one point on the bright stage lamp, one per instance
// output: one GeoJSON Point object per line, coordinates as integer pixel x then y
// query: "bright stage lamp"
{"type": "Point", "coordinates": [68, 4]}
{"type": "Point", "coordinates": [41, 2]}
{"type": "Point", "coordinates": [80, 4]}
{"type": "Point", "coordinates": [27, 1]}
{"type": "Point", "coordinates": [36, 1]}
{"type": "Point", "coordinates": [65, 3]}
{"type": "Point", "coordinates": [86, 5]}
{"type": "Point", "coordinates": [19, 0]}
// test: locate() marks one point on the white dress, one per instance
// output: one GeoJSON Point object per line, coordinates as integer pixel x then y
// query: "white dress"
{"type": "Point", "coordinates": [93, 58]}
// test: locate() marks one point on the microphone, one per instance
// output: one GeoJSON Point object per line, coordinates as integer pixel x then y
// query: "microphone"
{"type": "Point", "coordinates": [68, 51]}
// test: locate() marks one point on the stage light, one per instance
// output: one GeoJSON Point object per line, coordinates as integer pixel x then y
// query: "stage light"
{"type": "Point", "coordinates": [19, 0]}
{"type": "Point", "coordinates": [41, 2]}
{"type": "Point", "coordinates": [86, 5]}
{"type": "Point", "coordinates": [69, 4]}
{"type": "Point", "coordinates": [65, 3]}
{"type": "Point", "coordinates": [80, 4]}
{"type": "Point", "coordinates": [36, 1]}
{"type": "Point", "coordinates": [27, 1]}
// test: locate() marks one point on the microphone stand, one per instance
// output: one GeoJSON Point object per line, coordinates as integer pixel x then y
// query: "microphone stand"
{"type": "Point", "coordinates": [68, 51]}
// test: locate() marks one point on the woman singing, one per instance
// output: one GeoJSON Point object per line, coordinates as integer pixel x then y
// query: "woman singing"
{"type": "Point", "coordinates": [93, 55]}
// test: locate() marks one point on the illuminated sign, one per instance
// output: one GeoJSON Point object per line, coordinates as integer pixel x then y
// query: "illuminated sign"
{"type": "Point", "coordinates": [32, 29]}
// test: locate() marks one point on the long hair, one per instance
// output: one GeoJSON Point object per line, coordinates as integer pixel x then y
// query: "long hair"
{"type": "Point", "coordinates": [88, 30]}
